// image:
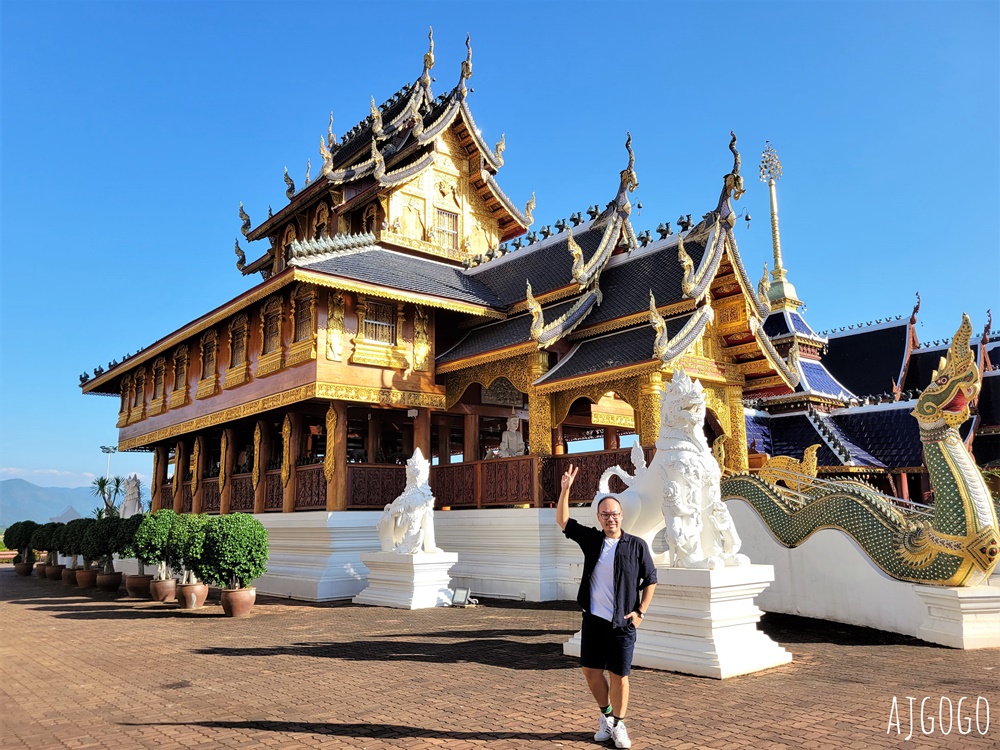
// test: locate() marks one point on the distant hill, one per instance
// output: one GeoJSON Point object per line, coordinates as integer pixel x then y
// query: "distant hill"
{"type": "Point", "coordinates": [24, 501]}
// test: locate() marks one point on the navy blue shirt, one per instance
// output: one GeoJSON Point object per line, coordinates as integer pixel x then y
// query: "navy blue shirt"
{"type": "Point", "coordinates": [634, 569]}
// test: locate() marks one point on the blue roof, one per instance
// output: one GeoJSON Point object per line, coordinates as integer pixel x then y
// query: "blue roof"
{"type": "Point", "coordinates": [819, 381]}
{"type": "Point", "coordinates": [888, 431]}
{"type": "Point", "coordinates": [800, 325]}
{"type": "Point", "coordinates": [759, 430]}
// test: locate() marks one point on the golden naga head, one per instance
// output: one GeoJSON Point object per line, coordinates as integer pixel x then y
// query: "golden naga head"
{"type": "Point", "coordinates": [954, 383]}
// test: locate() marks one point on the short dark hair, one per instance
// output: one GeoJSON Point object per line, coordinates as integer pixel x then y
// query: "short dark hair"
{"type": "Point", "coordinates": [609, 497]}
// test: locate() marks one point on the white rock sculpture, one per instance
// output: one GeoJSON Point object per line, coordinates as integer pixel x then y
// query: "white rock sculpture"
{"type": "Point", "coordinates": [511, 442]}
{"type": "Point", "coordinates": [132, 504]}
{"type": "Point", "coordinates": [406, 525]}
{"type": "Point", "coordinates": [680, 487]}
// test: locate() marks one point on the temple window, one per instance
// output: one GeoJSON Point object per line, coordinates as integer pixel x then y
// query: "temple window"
{"type": "Point", "coordinates": [123, 408]}
{"type": "Point", "coordinates": [380, 323]}
{"type": "Point", "coordinates": [304, 303]}
{"type": "Point", "coordinates": [179, 394]}
{"type": "Point", "coordinates": [271, 352]}
{"type": "Point", "coordinates": [238, 341]}
{"type": "Point", "coordinates": [447, 229]}
{"type": "Point", "coordinates": [320, 221]}
{"type": "Point", "coordinates": [159, 368]}
{"type": "Point", "coordinates": [208, 383]}
{"type": "Point", "coordinates": [138, 390]}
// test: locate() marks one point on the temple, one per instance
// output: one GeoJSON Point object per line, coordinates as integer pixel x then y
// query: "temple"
{"type": "Point", "coordinates": [403, 303]}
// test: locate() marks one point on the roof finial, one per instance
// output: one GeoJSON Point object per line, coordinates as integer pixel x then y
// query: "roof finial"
{"type": "Point", "coordinates": [327, 155]}
{"type": "Point", "coordinates": [376, 114]}
{"type": "Point", "coordinates": [290, 185]}
{"type": "Point", "coordinates": [629, 179]}
{"type": "Point", "coordinates": [466, 66]}
{"type": "Point", "coordinates": [245, 229]}
{"type": "Point", "coordinates": [916, 309]}
{"type": "Point", "coordinates": [500, 148]}
{"type": "Point", "coordinates": [331, 137]}
{"type": "Point", "coordinates": [308, 171]}
{"type": "Point", "coordinates": [529, 208]}
{"type": "Point", "coordinates": [425, 77]}
{"type": "Point", "coordinates": [241, 258]}
{"type": "Point", "coordinates": [736, 183]}
{"type": "Point", "coordinates": [379, 171]}
{"type": "Point", "coordinates": [770, 172]}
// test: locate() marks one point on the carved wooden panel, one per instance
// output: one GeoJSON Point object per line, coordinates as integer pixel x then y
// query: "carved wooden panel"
{"type": "Point", "coordinates": [374, 486]}
{"type": "Point", "coordinates": [591, 466]}
{"type": "Point", "coordinates": [187, 499]}
{"type": "Point", "coordinates": [273, 491]}
{"type": "Point", "coordinates": [166, 495]}
{"type": "Point", "coordinates": [454, 484]}
{"type": "Point", "coordinates": [242, 499]}
{"type": "Point", "coordinates": [508, 481]}
{"type": "Point", "coordinates": [311, 488]}
{"type": "Point", "coordinates": [210, 498]}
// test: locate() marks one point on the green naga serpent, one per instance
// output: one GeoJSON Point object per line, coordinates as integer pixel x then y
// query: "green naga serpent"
{"type": "Point", "coordinates": [956, 543]}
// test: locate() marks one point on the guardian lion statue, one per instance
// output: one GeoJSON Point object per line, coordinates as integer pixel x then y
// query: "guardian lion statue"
{"type": "Point", "coordinates": [406, 525]}
{"type": "Point", "coordinates": [679, 490]}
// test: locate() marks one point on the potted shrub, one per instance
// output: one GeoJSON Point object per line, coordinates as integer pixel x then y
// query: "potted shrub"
{"type": "Point", "coordinates": [72, 543]}
{"type": "Point", "coordinates": [235, 555]}
{"type": "Point", "coordinates": [185, 544]}
{"type": "Point", "coordinates": [137, 585]}
{"type": "Point", "coordinates": [86, 577]}
{"type": "Point", "coordinates": [101, 542]}
{"type": "Point", "coordinates": [150, 544]}
{"type": "Point", "coordinates": [54, 569]}
{"type": "Point", "coordinates": [40, 540]}
{"type": "Point", "coordinates": [18, 537]}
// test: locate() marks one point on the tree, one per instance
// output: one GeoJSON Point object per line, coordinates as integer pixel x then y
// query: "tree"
{"type": "Point", "coordinates": [18, 536]}
{"type": "Point", "coordinates": [185, 544]}
{"type": "Point", "coordinates": [151, 541]}
{"type": "Point", "coordinates": [130, 527]}
{"type": "Point", "coordinates": [236, 550]}
{"type": "Point", "coordinates": [103, 540]}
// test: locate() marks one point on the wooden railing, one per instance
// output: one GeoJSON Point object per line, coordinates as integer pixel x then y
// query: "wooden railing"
{"type": "Point", "coordinates": [210, 498]}
{"type": "Point", "coordinates": [372, 486]}
{"type": "Point", "coordinates": [508, 481]}
{"type": "Point", "coordinates": [310, 487]}
{"type": "Point", "coordinates": [591, 466]}
{"type": "Point", "coordinates": [242, 499]}
{"type": "Point", "coordinates": [274, 497]}
{"type": "Point", "coordinates": [187, 499]}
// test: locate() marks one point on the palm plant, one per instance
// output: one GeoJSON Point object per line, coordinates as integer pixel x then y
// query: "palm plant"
{"type": "Point", "coordinates": [104, 488]}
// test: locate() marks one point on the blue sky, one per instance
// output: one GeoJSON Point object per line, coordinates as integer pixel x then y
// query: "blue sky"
{"type": "Point", "coordinates": [132, 130]}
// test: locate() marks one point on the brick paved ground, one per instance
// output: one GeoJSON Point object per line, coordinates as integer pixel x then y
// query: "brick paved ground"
{"type": "Point", "coordinates": [84, 670]}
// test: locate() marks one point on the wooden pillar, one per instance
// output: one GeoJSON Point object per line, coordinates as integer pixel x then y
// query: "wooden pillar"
{"type": "Point", "coordinates": [444, 444]}
{"type": "Point", "coordinates": [648, 413]}
{"type": "Point", "coordinates": [422, 432]}
{"type": "Point", "coordinates": [227, 468]}
{"type": "Point", "coordinates": [559, 444]}
{"type": "Point", "coordinates": [291, 431]}
{"type": "Point", "coordinates": [904, 485]}
{"type": "Point", "coordinates": [159, 476]}
{"type": "Point", "coordinates": [335, 462]}
{"type": "Point", "coordinates": [261, 450]}
{"type": "Point", "coordinates": [197, 476]}
{"type": "Point", "coordinates": [470, 447]}
{"type": "Point", "coordinates": [373, 441]}
{"type": "Point", "coordinates": [610, 438]}
{"type": "Point", "coordinates": [180, 468]}
{"type": "Point", "coordinates": [540, 424]}
{"type": "Point", "coordinates": [925, 486]}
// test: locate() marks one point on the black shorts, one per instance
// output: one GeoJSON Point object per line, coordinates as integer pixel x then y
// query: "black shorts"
{"type": "Point", "coordinates": [605, 647]}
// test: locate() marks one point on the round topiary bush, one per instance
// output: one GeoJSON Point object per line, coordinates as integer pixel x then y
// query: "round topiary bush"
{"type": "Point", "coordinates": [102, 541]}
{"type": "Point", "coordinates": [18, 536]}
{"type": "Point", "coordinates": [73, 540]}
{"type": "Point", "coordinates": [150, 541]}
{"type": "Point", "coordinates": [235, 551]}
{"type": "Point", "coordinates": [185, 544]}
{"type": "Point", "coordinates": [41, 539]}
{"type": "Point", "coordinates": [129, 529]}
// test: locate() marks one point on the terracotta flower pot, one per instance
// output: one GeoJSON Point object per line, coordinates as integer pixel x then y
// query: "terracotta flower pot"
{"type": "Point", "coordinates": [138, 586]}
{"type": "Point", "coordinates": [23, 569]}
{"type": "Point", "coordinates": [54, 572]}
{"type": "Point", "coordinates": [86, 579]}
{"type": "Point", "coordinates": [163, 591]}
{"type": "Point", "coordinates": [40, 570]}
{"type": "Point", "coordinates": [69, 576]}
{"type": "Point", "coordinates": [238, 602]}
{"type": "Point", "coordinates": [192, 595]}
{"type": "Point", "coordinates": [109, 582]}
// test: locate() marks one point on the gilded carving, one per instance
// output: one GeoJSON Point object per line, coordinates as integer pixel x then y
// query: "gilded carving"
{"type": "Point", "coordinates": [386, 396]}
{"type": "Point", "coordinates": [124, 391]}
{"type": "Point", "coordinates": [737, 448]}
{"type": "Point", "coordinates": [518, 370]}
{"type": "Point", "coordinates": [223, 460]}
{"type": "Point", "coordinates": [335, 327]}
{"type": "Point", "coordinates": [178, 466]}
{"type": "Point", "coordinates": [304, 332]}
{"type": "Point", "coordinates": [272, 353]}
{"type": "Point", "coordinates": [258, 459]}
{"type": "Point", "coordinates": [157, 401]}
{"type": "Point", "coordinates": [539, 424]}
{"type": "Point", "coordinates": [330, 458]}
{"type": "Point", "coordinates": [154, 487]}
{"type": "Point", "coordinates": [195, 468]}
{"type": "Point", "coordinates": [137, 397]}
{"type": "Point", "coordinates": [648, 413]}
{"type": "Point", "coordinates": [286, 450]}
{"type": "Point", "coordinates": [179, 394]}
{"type": "Point", "coordinates": [612, 420]}
{"type": "Point", "coordinates": [421, 341]}
{"type": "Point", "coordinates": [208, 382]}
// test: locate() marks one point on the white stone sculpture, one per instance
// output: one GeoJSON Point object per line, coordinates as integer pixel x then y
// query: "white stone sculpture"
{"type": "Point", "coordinates": [406, 526]}
{"type": "Point", "coordinates": [132, 504]}
{"type": "Point", "coordinates": [680, 487]}
{"type": "Point", "coordinates": [511, 442]}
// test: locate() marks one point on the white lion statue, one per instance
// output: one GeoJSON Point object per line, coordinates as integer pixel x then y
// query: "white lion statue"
{"type": "Point", "coordinates": [406, 526]}
{"type": "Point", "coordinates": [679, 490]}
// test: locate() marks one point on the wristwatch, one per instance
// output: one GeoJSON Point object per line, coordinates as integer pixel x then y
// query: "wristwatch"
{"type": "Point", "coordinates": [640, 613]}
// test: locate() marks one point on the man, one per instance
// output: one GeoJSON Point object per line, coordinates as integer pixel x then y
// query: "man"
{"type": "Point", "coordinates": [617, 586]}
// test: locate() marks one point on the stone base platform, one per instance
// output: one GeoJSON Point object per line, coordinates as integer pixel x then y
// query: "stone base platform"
{"type": "Point", "coordinates": [966, 618]}
{"type": "Point", "coordinates": [407, 581]}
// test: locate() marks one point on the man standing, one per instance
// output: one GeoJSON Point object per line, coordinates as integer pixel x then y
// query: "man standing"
{"type": "Point", "coordinates": [617, 586]}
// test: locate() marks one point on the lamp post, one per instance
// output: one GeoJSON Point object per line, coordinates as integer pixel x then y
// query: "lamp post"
{"type": "Point", "coordinates": [109, 449]}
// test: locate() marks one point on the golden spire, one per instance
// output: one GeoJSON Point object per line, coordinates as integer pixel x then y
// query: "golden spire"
{"type": "Point", "coordinates": [782, 288]}
{"type": "Point", "coordinates": [425, 77]}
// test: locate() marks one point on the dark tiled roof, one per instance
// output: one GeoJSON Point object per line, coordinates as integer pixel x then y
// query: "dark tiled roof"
{"type": "Point", "coordinates": [989, 399]}
{"type": "Point", "coordinates": [626, 284]}
{"type": "Point", "coordinates": [859, 456]}
{"type": "Point", "coordinates": [776, 325]}
{"type": "Point", "coordinates": [399, 271]}
{"type": "Point", "coordinates": [792, 434]}
{"type": "Point", "coordinates": [605, 353]}
{"type": "Point", "coordinates": [499, 335]}
{"type": "Point", "coordinates": [867, 362]}
{"type": "Point", "coordinates": [987, 449]}
{"type": "Point", "coordinates": [759, 429]}
{"type": "Point", "coordinates": [818, 380]}
{"type": "Point", "coordinates": [547, 264]}
{"type": "Point", "coordinates": [888, 432]}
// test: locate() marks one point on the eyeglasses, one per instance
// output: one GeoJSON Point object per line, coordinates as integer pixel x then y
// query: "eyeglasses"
{"type": "Point", "coordinates": [608, 516]}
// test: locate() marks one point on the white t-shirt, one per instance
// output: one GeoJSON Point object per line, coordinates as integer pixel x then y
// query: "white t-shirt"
{"type": "Point", "coordinates": [602, 582]}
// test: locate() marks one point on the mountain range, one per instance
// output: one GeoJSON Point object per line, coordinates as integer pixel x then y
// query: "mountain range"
{"type": "Point", "coordinates": [24, 501]}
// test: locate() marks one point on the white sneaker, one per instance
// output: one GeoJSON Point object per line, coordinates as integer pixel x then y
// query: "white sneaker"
{"type": "Point", "coordinates": [604, 729]}
{"type": "Point", "coordinates": [620, 736]}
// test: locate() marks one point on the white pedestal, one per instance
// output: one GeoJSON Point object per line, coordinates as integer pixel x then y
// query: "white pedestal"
{"type": "Point", "coordinates": [407, 581]}
{"type": "Point", "coordinates": [704, 622]}
{"type": "Point", "coordinates": [966, 618]}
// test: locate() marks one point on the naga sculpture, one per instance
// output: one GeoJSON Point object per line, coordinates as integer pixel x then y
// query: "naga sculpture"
{"type": "Point", "coordinates": [406, 525]}
{"type": "Point", "coordinates": [679, 488]}
{"type": "Point", "coordinates": [955, 543]}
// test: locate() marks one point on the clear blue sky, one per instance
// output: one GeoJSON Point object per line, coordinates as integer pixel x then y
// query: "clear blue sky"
{"type": "Point", "coordinates": [131, 131]}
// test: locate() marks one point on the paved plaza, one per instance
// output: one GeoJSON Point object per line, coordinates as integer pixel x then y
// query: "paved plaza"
{"type": "Point", "coordinates": [91, 670]}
